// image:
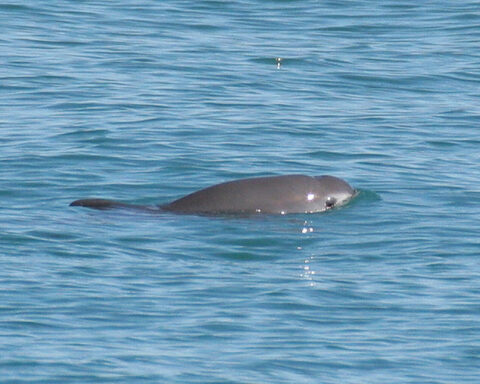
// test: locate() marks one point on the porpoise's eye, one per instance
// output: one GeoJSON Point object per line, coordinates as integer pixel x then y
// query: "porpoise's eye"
{"type": "Point", "coordinates": [330, 202]}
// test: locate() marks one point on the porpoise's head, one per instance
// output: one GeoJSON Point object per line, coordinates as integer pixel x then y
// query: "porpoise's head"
{"type": "Point", "coordinates": [335, 191]}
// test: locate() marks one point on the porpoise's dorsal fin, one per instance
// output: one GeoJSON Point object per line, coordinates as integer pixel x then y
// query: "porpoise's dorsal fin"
{"type": "Point", "coordinates": [104, 204]}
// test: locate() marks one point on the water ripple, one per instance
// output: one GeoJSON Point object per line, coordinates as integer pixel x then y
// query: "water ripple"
{"type": "Point", "coordinates": [145, 102]}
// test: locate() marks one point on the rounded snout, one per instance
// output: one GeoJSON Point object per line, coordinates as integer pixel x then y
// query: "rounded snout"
{"type": "Point", "coordinates": [338, 191]}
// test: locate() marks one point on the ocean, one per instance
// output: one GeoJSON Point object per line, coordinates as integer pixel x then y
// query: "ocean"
{"type": "Point", "coordinates": [146, 101]}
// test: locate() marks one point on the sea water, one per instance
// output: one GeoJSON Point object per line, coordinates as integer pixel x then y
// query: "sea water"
{"type": "Point", "coordinates": [145, 101]}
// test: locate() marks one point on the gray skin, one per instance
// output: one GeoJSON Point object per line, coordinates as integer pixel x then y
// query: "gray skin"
{"type": "Point", "coordinates": [271, 195]}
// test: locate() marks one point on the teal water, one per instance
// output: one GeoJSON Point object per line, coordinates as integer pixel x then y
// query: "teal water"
{"type": "Point", "coordinates": [147, 101]}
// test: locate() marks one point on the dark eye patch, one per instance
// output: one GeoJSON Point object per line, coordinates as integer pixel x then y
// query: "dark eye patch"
{"type": "Point", "coordinates": [330, 202]}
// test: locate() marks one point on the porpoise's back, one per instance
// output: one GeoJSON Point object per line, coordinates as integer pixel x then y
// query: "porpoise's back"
{"type": "Point", "coordinates": [277, 195]}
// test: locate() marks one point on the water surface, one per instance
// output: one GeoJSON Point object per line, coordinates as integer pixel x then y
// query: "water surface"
{"type": "Point", "coordinates": [147, 101]}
